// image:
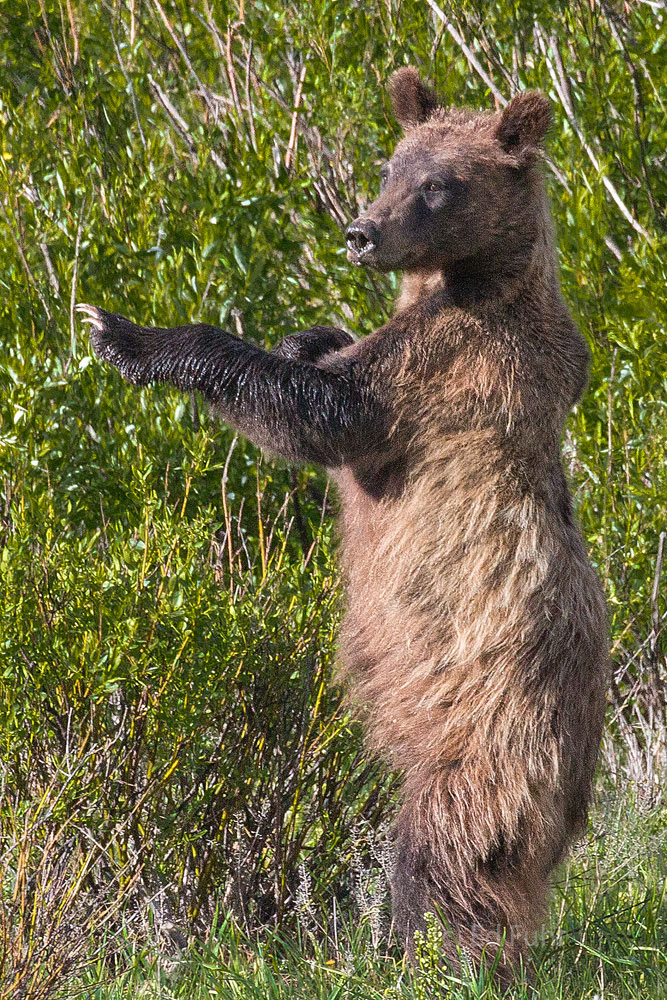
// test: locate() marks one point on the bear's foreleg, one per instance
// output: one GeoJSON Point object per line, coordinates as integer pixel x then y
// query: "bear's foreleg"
{"type": "Point", "coordinates": [304, 413]}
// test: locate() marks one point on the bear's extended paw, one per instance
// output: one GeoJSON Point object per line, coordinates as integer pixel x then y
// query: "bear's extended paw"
{"type": "Point", "coordinates": [120, 342]}
{"type": "Point", "coordinates": [312, 345]}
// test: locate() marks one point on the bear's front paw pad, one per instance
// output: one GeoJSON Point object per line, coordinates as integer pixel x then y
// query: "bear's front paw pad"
{"type": "Point", "coordinates": [117, 340]}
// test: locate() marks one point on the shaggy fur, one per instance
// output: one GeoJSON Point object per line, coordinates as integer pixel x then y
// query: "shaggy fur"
{"type": "Point", "coordinates": [475, 635]}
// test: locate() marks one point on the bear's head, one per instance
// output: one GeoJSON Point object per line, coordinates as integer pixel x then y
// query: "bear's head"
{"type": "Point", "coordinates": [461, 186]}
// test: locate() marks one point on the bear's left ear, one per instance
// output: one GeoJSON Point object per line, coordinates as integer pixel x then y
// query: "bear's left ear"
{"type": "Point", "coordinates": [413, 102]}
{"type": "Point", "coordinates": [524, 124]}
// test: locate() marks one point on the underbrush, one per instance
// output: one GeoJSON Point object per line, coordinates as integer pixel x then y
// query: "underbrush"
{"type": "Point", "coordinates": [607, 938]}
{"type": "Point", "coordinates": [185, 800]}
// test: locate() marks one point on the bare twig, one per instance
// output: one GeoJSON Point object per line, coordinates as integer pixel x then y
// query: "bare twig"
{"type": "Point", "coordinates": [53, 277]}
{"type": "Point", "coordinates": [75, 275]}
{"type": "Point", "coordinates": [468, 52]}
{"type": "Point", "coordinates": [248, 96]}
{"type": "Point", "coordinates": [655, 607]}
{"type": "Point", "coordinates": [181, 125]}
{"type": "Point", "coordinates": [24, 260]}
{"type": "Point", "coordinates": [638, 100]}
{"type": "Point", "coordinates": [231, 74]}
{"type": "Point", "coordinates": [181, 48]}
{"type": "Point", "coordinates": [610, 411]}
{"type": "Point", "coordinates": [130, 85]}
{"type": "Point", "coordinates": [559, 78]}
{"type": "Point", "coordinates": [178, 121]}
{"type": "Point", "coordinates": [613, 247]}
{"type": "Point", "coordinates": [72, 24]}
{"type": "Point", "coordinates": [291, 145]}
{"type": "Point", "coordinates": [225, 509]}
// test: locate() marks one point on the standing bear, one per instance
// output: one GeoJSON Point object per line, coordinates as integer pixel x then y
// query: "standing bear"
{"type": "Point", "coordinates": [475, 636]}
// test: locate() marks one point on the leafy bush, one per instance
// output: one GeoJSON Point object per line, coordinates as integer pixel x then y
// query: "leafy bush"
{"type": "Point", "coordinates": [172, 740]}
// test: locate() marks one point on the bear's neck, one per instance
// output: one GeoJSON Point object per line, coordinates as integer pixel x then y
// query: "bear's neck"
{"type": "Point", "coordinates": [500, 272]}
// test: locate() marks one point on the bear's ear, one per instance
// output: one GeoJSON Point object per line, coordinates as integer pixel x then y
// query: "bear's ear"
{"type": "Point", "coordinates": [524, 124]}
{"type": "Point", "coordinates": [411, 99]}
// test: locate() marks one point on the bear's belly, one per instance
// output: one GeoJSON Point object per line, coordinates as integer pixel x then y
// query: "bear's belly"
{"type": "Point", "coordinates": [460, 606]}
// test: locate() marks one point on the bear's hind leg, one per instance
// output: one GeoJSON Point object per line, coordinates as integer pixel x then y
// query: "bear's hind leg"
{"type": "Point", "coordinates": [464, 899]}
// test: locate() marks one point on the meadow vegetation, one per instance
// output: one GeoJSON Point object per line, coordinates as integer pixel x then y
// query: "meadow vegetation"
{"type": "Point", "coordinates": [186, 805]}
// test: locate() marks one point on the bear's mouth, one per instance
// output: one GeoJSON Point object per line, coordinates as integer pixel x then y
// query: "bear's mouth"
{"type": "Point", "coordinates": [362, 257]}
{"type": "Point", "coordinates": [378, 258]}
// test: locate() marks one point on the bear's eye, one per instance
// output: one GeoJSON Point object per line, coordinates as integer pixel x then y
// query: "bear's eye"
{"type": "Point", "coordinates": [435, 186]}
{"type": "Point", "coordinates": [384, 177]}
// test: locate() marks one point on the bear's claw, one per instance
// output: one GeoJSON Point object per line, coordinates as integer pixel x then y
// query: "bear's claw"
{"type": "Point", "coordinates": [94, 316]}
{"type": "Point", "coordinates": [119, 341]}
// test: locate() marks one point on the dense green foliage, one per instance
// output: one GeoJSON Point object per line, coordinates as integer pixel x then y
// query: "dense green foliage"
{"type": "Point", "coordinates": [173, 746]}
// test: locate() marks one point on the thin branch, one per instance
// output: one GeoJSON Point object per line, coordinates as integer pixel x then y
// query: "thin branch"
{"type": "Point", "coordinates": [178, 121]}
{"type": "Point", "coordinates": [248, 96]}
{"type": "Point", "coordinates": [291, 145]}
{"type": "Point", "coordinates": [181, 48]}
{"type": "Point", "coordinates": [129, 84]}
{"type": "Point", "coordinates": [655, 592]}
{"type": "Point", "coordinates": [181, 125]}
{"type": "Point", "coordinates": [557, 73]}
{"type": "Point", "coordinates": [53, 277]}
{"type": "Point", "coordinates": [468, 53]}
{"type": "Point", "coordinates": [75, 276]}
{"type": "Point", "coordinates": [72, 24]}
{"type": "Point", "coordinates": [231, 75]}
{"type": "Point", "coordinates": [638, 100]}
{"type": "Point", "coordinates": [24, 260]}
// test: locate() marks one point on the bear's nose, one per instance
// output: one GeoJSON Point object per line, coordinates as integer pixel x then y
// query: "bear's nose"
{"type": "Point", "coordinates": [362, 236]}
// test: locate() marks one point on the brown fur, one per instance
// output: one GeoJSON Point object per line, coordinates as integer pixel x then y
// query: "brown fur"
{"type": "Point", "coordinates": [476, 633]}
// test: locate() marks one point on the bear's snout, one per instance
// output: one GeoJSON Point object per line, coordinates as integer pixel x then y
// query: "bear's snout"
{"type": "Point", "coordinates": [362, 237]}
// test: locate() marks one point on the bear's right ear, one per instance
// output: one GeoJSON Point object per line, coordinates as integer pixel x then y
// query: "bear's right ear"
{"type": "Point", "coordinates": [413, 102]}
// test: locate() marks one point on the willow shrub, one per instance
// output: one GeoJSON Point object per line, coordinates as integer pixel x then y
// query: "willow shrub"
{"type": "Point", "coordinates": [171, 736]}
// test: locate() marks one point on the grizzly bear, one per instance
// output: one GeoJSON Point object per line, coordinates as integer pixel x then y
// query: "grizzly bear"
{"type": "Point", "coordinates": [475, 636]}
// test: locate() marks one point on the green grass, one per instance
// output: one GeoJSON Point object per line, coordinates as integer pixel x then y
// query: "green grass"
{"type": "Point", "coordinates": [607, 938]}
